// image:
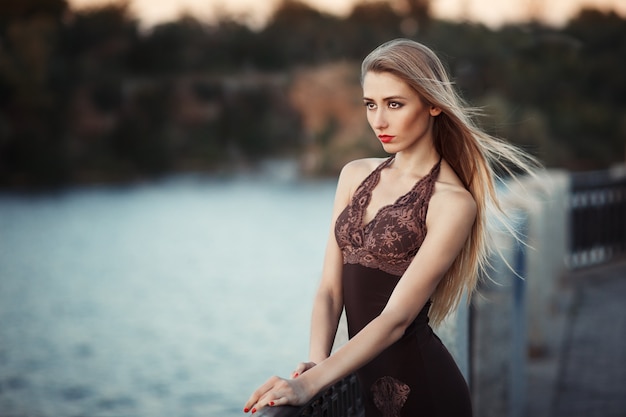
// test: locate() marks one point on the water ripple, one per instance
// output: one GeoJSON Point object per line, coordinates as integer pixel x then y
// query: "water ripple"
{"type": "Point", "coordinates": [167, 299]}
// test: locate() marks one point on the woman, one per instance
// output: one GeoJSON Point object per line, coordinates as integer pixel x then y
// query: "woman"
{"type": "Point", "coordinates": [409, 236]}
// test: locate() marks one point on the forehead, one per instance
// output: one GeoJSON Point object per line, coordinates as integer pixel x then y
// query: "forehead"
{"type": "Point", "coordinates": [385, 84]}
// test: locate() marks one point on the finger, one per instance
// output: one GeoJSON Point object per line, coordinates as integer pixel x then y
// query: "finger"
{"type": "Point", "coordinates": [279, 401]}
{"type": "Point", "coordinates": [280, 394]}
{"type": "Point", "coordinates": [262, 403]}
{"type": "Point", "coordinates": [259, 393]}
{"type": "Point", "coordinates": [302, 368]}
{"type": "Point", "coordinates": [299, 370]}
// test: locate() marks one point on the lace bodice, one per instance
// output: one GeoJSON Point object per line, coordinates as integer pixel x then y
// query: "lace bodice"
{"type": "Point", "coordinates": [391, 239]}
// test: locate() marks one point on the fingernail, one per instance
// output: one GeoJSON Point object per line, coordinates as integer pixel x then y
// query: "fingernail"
{"type": "Point", "coordinates": [271, 403]}
{"type": "Point", "coordinates": [253, 410]}
{"type": "Point", "coordinates": [295, 375]}
{"type": "Point", "coordinates": [245, 410]}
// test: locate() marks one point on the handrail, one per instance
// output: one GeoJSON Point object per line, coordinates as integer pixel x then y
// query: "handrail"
{"type": "Point", "coordinates": [597, 217]}
{"type": "Point", "coordinates": [343, 399]}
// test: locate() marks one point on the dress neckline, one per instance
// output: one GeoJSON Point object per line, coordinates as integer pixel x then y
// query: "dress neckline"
{"type": "Point", "coordinates": [372, 181]}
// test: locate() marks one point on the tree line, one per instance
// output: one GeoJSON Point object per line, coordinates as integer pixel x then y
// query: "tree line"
{"type": "Point", "coordinates": [86, 95]}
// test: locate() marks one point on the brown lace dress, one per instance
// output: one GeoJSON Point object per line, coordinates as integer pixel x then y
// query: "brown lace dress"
{"type": "Point", "coordinates": [416, 376]}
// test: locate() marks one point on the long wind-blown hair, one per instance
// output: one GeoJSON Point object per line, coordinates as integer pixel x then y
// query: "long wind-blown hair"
{"type": "Point", "coordinates": [477, 158]}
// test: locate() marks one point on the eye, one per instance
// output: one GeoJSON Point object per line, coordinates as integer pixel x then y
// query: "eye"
{"type": "Point", "coordinates": [369, 105]}
{"type": "Point", "coordinates": [394, 105]}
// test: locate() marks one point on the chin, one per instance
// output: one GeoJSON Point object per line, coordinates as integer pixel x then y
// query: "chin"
{"type": "Point", "coordinates": [390, 148]}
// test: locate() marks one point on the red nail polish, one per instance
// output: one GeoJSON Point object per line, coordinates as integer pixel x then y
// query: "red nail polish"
{"type": "Point", "coordinates": [271, 403]}
{"type": "Point", "coordinates": [295, 375]}
{"type": "Point", "coordinates": [253, 410]}
{"type": "Point", "coordinates": [245, 410]}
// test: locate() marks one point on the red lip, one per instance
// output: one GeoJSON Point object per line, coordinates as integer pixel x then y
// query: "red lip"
{"type": "Point", "coordinates": [385, 138]}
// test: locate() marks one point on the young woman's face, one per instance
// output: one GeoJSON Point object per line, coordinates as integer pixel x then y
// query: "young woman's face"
{"type": "Point", "coordinates": [396, 113]}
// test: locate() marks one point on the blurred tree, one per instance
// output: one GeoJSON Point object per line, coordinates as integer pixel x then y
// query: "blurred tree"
{"type": "Point", "coordinates": [299, 34]}
{"type": "Point", "coordinates": [257, 121]}
{"type": "Point", "coordinates": [170, 48]}
{"type": "Point", "coordinates": [85, 90]}
{"type": "Point", "coordinates": [232, 45]}
{"type": "Point", "coordinates": [11, 11]}
{"type": "Point", "coordinates": [33, 147]}
{"type": "Point", "coordinates": [97, 44]}
{"type": "Point", "coordinates": [416, 10]}
{"type": "Point", "coordinates": [598, 105]}
{"type": "Point", "coordinates": [142, 141]}
{"type": "Point", "coordinates": [369, 25]}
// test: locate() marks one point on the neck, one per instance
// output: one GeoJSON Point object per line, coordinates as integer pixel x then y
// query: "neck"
{"type": "Point", "coordinates": [416, 163]}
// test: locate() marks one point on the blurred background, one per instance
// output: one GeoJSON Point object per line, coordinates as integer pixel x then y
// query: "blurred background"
{"type": "Point", "coordinates": [167, 172]}
{"type": "Point", "coordinates": [92, 92]}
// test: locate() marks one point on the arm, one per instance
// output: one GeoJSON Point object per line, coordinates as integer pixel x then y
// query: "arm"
{"type": "Point", "coordinates": [449, 222]}
{"type": "Point", "coordinates": [328, 303]}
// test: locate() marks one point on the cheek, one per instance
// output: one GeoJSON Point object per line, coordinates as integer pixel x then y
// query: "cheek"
{"type": "Point", "coordinates": [419, 121]}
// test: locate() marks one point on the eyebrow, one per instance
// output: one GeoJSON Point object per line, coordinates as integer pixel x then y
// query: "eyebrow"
{"type": "Point", "coordinates": [391, 98]}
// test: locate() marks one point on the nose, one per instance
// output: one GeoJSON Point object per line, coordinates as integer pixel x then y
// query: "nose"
{"type": "Point", "coordinates": [379, 119]}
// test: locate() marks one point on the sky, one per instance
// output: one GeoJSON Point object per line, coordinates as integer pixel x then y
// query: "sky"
{"type": "Point", "coordinates": [255, 12]}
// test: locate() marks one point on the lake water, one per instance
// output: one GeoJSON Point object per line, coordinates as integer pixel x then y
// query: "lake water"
{"type": "Point", "coordinates": [172, 298]}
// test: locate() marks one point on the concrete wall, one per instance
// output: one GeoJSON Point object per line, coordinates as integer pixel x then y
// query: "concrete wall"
{"type": "Point", "coordinates": [514, 315]}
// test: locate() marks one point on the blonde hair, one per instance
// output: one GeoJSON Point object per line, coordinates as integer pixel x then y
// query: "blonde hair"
{"type": "Point", "coordinates": [475, 156]}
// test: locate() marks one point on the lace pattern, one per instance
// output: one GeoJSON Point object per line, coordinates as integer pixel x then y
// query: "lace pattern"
{"type": "Point", "coordinates": [391, 239]}
{"type": "Point", "coordinates": [389, 395]}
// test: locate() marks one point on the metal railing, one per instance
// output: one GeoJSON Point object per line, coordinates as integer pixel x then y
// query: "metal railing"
{"type": "Point", "coordinates": [597, 217]}
{"type": "Point", "coordinates": [340, 400]}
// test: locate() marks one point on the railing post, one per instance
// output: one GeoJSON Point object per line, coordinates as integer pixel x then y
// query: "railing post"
{"type": "Point", "coordinates": [517, 376]}
{"type": "Point", "coordinates": [598, 217]}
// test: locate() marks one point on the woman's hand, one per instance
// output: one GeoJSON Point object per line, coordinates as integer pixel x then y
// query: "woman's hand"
{"type": "Point", "coordinates": [278, 391]}
{"type": "Point", "coordinates": [302, 368]}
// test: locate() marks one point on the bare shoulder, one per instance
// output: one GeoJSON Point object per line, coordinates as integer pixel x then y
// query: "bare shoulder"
{"type": "Point", "coordinates": [451, 198]}
{"type": "Point", "coordinates": [352, 175]}
{"type": "Point", "coordinates": [362, 166]}
{"type": "Point", "coordinates": [354, 172]}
